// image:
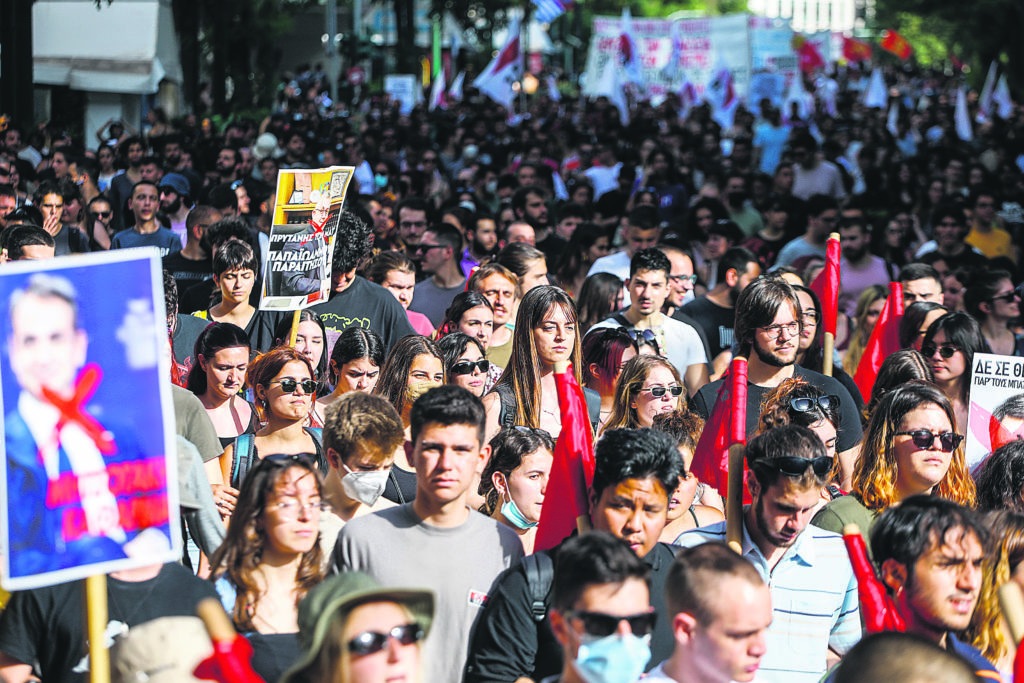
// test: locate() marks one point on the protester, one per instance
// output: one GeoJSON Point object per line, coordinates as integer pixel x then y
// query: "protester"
{"type": "Point", "coordinates": [500, 286]}
{"type": "Point", "coordinates": [218, 377]}
{"type": "Point", "coordinates": [588, 243]}
{"type": "Point", "coordinates": [1000, 479]}
{"type": "Point", "coordinates": [439, 251]}
{"type": "Point", "coordinates": [917, 318]}
{"type": "Point", "coordinates": [646, 387]}
{"type": "Point", "coordinates": [599, 297]}
{"type": "Point", "coordinates": [949, 346]}
{"type": "Point", "coordinates": [865, 315]}
{"type": "Point", "coordinates": [515, 480]}
{"type": "Point", "coordinates": [355, 364]}
{"type": "Point", "coordinates": [902, 658]}
{"type": "Point", "coordinates": [464, 362]}
{"type": "Point", "coordinates": [994, 302]}
{"type": "Point", "coordinates": [901, 367]}
{"type": "Point", "coordinates": [234, 272]}
{"type": "Point", "coordinates": [605, 353]}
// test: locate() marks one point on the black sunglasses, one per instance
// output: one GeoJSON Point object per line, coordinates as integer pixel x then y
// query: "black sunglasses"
{"type": "Point", "coordinates": [925, 439]}
{"type": "Point", "coordinates": [285, 459]}
{"type": "Point", "coordinates": [289, 385]}
{"type": "Point", "coordinates": [369, 642]}
{"type": "Point", "coordinates": [601, 625]}
{"type": "Point", "coordinates": [808, 405]}
{"type": "Point", "coordinates": [1009, 297]}
{"type": "Point", "coordinates": [646, 335]}
{"type": "Point", "coordinates": [946, 350]}
{"type": "Point", "coordinates": [658, 392]}
{"type": "Point", "coordinates": [466, 367]}
{"type": "Point", "coordinates": [793, 466]}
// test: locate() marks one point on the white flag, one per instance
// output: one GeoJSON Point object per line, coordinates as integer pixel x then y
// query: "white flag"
{"type": "Point", "coordinates": [610, 86]}
{"type": "Point", "coordinates": [455, 89]}
{"type": "Point", "coordinates": [505, 69]}
{"type": "Point", "coordinates": [985, 101]}
{"type": "Point", "coordinates": [893, 119]}
{"type": "Point", "coordinates": [437, 93]}
{"type": "Point", "coordinates": [629, 51]}
{"type": "Point", "coordinates": [721, 95]}
{"type": "Point", "coordinates": [963, 119]}
{"type": "Point", "coordinates": [1001, 98]}
{"type": "Point", "coordinates": [876, 96]}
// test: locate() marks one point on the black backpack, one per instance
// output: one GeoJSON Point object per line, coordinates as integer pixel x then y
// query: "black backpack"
{"type": "Point", "coordinates": [244, 456]}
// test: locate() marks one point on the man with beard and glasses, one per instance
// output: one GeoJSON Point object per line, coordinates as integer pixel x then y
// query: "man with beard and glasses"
{"type": "Point", "coordinates": [768, 324]}
{"type": "Point", "coordinates": [816, 614]}
{"type": "Point", "coordinates": [860, 268]}
{"type": "Point", "coordinates": [716, 310]}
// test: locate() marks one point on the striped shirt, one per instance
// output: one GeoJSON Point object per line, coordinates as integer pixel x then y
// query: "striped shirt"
{"type": "Point", "coordinates": [814, 601]}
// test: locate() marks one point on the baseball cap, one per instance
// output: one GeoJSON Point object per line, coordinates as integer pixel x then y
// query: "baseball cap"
{"type": "Point", "coordinates": [176, 182]}
{"type": "Point", "coordinates": [339, 595]}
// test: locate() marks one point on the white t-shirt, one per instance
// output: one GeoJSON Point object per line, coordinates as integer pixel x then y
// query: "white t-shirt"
{"type": "Point", "coordinates": [657, 675]}
{"type": "Point", "coordinates": [618, 265]}
{"type": "Point", "coordinates": [678, 342]}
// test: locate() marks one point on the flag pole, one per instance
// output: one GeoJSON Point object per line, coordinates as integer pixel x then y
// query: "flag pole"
{"type": "Point", "coordinates": [830, 338]}
{"type": "Point", "coordinates": [96, 626]}
{"type": "Point", "coordinates": [524, 42]}
{"type": "Point", "coordinates": [295, 328]}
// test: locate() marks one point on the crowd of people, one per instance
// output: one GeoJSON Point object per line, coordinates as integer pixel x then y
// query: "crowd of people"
{"type": "Point", "coordinates": [373, 491]}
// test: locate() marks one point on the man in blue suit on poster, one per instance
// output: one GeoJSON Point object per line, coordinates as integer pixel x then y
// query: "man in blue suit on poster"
{"type": "Point", "coordinates": [61, 509]}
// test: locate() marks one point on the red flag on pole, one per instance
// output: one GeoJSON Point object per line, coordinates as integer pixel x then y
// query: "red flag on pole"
{"type": "Point", "coordinates": [726, 425]}
{"type": "Point", "coordinates": [884, 341]}
{"type": "Point", "coordinates": [807, 54]}
{"type": "Point", "coordinates": [826, 286]}
{"type": "Point", "coordinates": [572, 471]}
{"type": "Point", "coordinates": [856, 50]}
{"type": "Point", "coordinates": [876, 607]}
{"type": "Point", "coordinates": [896, 44]}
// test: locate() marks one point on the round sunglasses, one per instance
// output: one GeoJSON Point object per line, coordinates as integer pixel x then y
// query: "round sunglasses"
{"type": "Point", "coordinates": [805, 404]}
{"type": "Point", "coordinates": [945, 350]}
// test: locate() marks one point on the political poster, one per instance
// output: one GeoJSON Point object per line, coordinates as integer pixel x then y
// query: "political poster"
{"type": "Point", "coordinates": [996, 414]}
{"type": "Point", "coordinates": [298, 269]}
{"type": "Point", "coordinates": [404, 89]}
{"type": "Point", "coordinates": [89, 483]}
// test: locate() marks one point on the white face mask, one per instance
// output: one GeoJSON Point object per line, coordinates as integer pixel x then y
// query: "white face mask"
{"type": "Point", "coordinates": [366, 487]}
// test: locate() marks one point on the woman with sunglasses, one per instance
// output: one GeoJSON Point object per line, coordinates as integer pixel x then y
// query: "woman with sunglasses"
{"type": "Point", "coordinates": [355, 364]}
{"type": "Point", "coordinates": [414, 366]}
{"type": "Point", "coordinates": [310, 339]}
{"type": "Point", "coordinates": [515, 479]}
{"type": "Point", "coordinates": [798, 402]}
{"type": "Point", "coordinates": [546, 333]}
{"type": "Point", "coordinates": [809, 353]}
{"type": "Point", "coordinates": [271, 557]}
{"type": "Point", "coordinates": [282, 384]}
{"type": "Point", "coordinates": [606, 351]}
{"type": "Point", "coordinates": [949, 346]}
{"type": "Point", "coordinates": [994, 303]}
{"type": "Point", "coordinates": [647, 387]}
{"type": "Point", "coordinates": [356, 631]}
{"type": "Point", "coordinates": [471, 313]}
{"type": "Point", "coordinates": [910, 448]}
{"type": "Point", "coordinates": [464, 362]}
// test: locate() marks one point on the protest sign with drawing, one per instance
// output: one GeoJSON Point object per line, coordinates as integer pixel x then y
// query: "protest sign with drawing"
{"type": "Point", "coordinates": [997, 405]}
{"type": "Point", "coordinates": [89, 480]}
{"type": "Point", "coordinates": [298, 269]}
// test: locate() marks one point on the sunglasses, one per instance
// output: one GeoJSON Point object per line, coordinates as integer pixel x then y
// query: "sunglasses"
{"type": "Point", "coordinates": [104, 214]}
{"type": "Point", "coordinates": [946, 350]}
{"type": "Point", "coordinates": [793, 466]}
{"type": "Point", "coordinates": [600, 625]}
{"type": "Point", "coordinates": [658, 392]}
{"type": "Point", "coordinates": [809, 405]}
{"type": "Point", "coordinates": [925, 439]}
{"type": "Point", "coordinates": [289, 385]}
{"type": "Point", "coordinates": [466, 367]}
{"type": "Point", "coordinates": [286, 459]}
{"type": "Point", "coordinates": [1009, 297]}
{"type": "Point", "coordinates": [369, 642]}
{"type": "Point", "coordinates": [637, 335]}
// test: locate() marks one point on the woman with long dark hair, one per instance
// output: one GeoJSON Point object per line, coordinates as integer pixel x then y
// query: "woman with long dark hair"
{"type": "Point", "coordinates": [600, 297]}
{"type": "Point", "coordinates": [218, 377]}
{"type": "Point", "coordinates": [515, 479]}
{"type": "Point", "coordinates": [355, 364]}
{"type": "Point", "coordinates": [994, 302]}
{"type": "Point", "coordinates": [949, 346]}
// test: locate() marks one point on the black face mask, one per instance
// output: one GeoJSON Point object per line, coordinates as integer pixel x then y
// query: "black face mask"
{"type": "Point", "coordinates": [736, 198]}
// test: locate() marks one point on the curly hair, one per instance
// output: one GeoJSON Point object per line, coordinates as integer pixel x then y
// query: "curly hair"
{"type": "Point", "coordinates": [776, 410]}
{"type": "Point", "coordinates": [351, 243]}
{"type": "Point", "coordinates": [876, 470]}
{"type": "Point", "coordinates": [241, 553]}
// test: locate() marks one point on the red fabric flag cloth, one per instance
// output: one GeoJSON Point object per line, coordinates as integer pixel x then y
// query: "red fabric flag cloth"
{"type": "Point", "coordinates": [572, 471]}
{"type": "Point", "coordinates": [884, 341]}
{"type": "Point", "coordinates": [810, 58]}
{"type": "Point", "coordinates": [229, 663]}
{"type": "Point", "coordinates": [826, 286]}
{"type": "Point", "coordinates": [727, 420]}
{"type": "Point", "coordinates": [856, 50]}
{"type": "Point", "coordinates": [876, 607]}
{"type": "Point", "coordinates": [896, 44]}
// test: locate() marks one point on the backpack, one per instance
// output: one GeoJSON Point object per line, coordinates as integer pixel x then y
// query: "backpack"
{"type": "Point", "coordinates": [244, 456]}
{"type": "Point", "coordinates": [540, 574]}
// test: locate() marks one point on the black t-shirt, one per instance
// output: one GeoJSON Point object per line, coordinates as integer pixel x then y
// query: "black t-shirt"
{"type": "Point", "coordinates": [968, 258]}
{"type": "Point", "coordinates": [47, 624]}
{"type": "Point", "coordinates": [552, 247]}
{"type": "Point", "coordinates": [273, 653]}
{"type": "Point", "coordinates": [849, 432]}
{"type": "Point", "coordinates": [508, 643]}
{"type": "Point", "coordinates": [367, 305]}
{"type": "Point", "coordinates": [187, 272]}
{"type": "Point", "coordinates": [717, 323]}
{"type": "Point", "coordinates": [186, 332]}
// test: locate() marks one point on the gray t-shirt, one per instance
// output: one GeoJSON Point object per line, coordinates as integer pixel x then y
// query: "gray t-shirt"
{"type": "Point", "coordinates": [432, 301]}
{"type": "Point", "coordinates": [459, 564]}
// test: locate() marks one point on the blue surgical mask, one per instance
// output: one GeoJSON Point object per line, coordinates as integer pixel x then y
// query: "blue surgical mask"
{"type": "Point", "coordinates": [613, 659]}
{"type": "Point", "coordinates": [380, 181]}
{"type": "Point", "coordinates": [511, 512]}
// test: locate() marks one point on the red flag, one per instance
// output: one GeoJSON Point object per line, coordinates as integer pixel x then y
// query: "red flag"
{"type": "Point", "coordinates": [876, 607]}
{"type": "Point", "coordinates": [896, 44]}
{"type": "Point", "coordinates": [572, 471]}
{"type": "Point", "coordinates": [810, 58]}
{"type": "Point", "coordinates": [726, 425]}
{"type": "Point", "coordinates": [826, 286]}
{"type": "Point", "coordinates": [856, 50]}
{"type": "Point", "coordinates": [884, 341]}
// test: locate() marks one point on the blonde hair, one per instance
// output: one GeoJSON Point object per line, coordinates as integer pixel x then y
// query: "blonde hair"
{"type": "Point", "coordinates": [628, 386]}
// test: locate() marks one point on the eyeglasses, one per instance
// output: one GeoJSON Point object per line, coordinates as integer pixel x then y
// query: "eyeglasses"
{"type": "Point", "coordinates": [809, 317]}
{"type": "Point", "coordinates": [807, 405]}
{"type": "Point", "coordinates": [773, 331]}
{"type": "Point", "coordinates": [945, 350]}
{"type": "Point", "coordinates": [601, 625]}
{"type": "Point", "coordinates": [370, 642]}
{"type": "Point", "coordinates": [1009, 297]}
{"type": "Point", "coordinates": [289, 385]}
{"type": "Point", "coordinates": [925, 439]}
{"type": "Point", "coordinates": [291, 507]}
{"type": "Point", "coordinates": [658, 392]}
{"type": "Point", "coordinates": [793, 466]}
{"type": "Point", "coordinates": [466, 367]}
{"type": "Point", "coordinates": [680, 279]}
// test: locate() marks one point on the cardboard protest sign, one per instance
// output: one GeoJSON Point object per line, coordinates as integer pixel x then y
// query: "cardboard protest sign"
{"type": "Point", "coordinates": [89, 483]}
{"type": "Point", "coordinates": [997, 405]}
{"type": "Point", "coordinates": [305, 220]}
